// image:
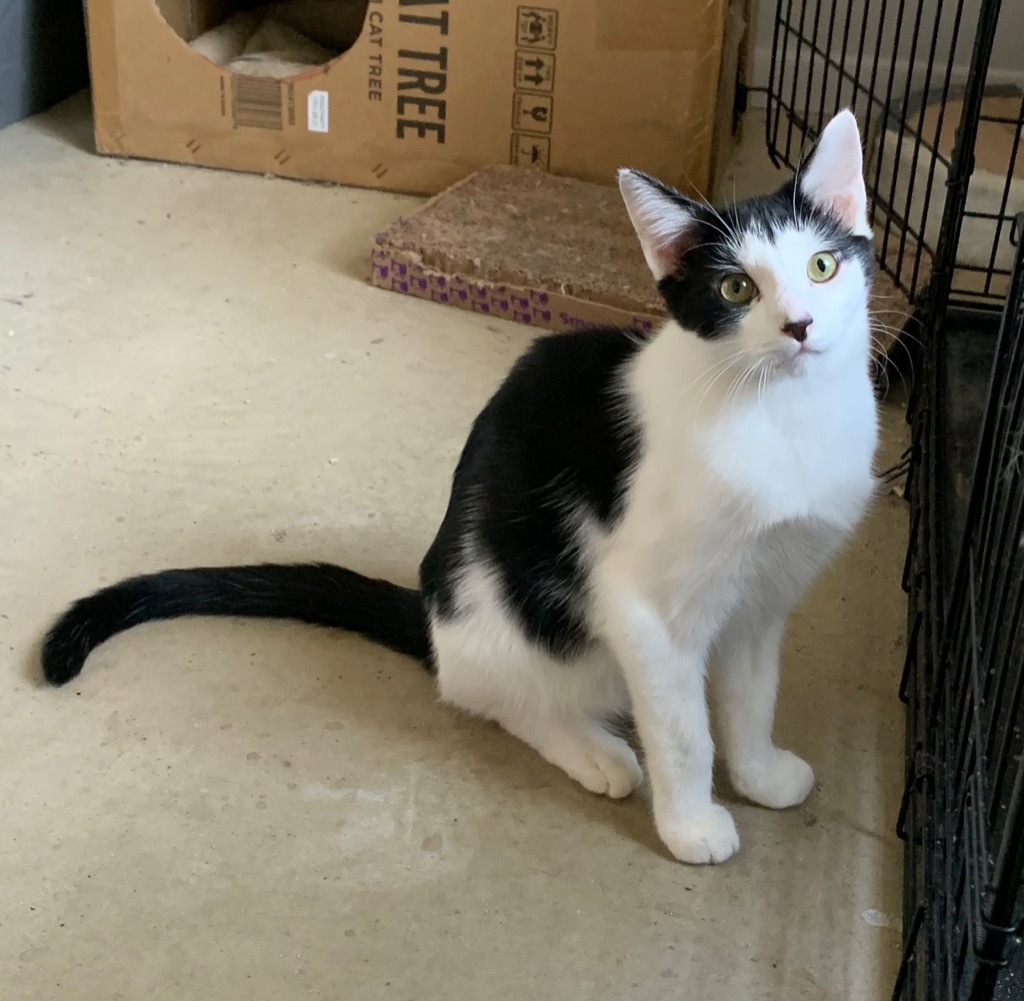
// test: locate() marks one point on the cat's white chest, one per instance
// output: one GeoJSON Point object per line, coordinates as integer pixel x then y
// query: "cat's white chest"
{"type": "Point", "coordinates": [798, 452]}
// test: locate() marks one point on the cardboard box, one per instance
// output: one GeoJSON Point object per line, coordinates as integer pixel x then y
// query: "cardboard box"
{"type": "Point", "coordinates": [429, 91]}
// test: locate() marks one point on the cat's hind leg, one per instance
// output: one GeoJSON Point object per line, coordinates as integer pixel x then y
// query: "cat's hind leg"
{"type": "Point", "coordinates": [584, 749]}
{"type": "Point", "coordinates": [486, 667]}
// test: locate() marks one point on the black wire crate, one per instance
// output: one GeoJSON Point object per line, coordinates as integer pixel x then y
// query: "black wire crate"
{"type": "Point", "coordinates": [907, 68]}
{"type": "Point", "coordinates": [946, 183]}
{"type": "Point", "coordinates": [963, 809]}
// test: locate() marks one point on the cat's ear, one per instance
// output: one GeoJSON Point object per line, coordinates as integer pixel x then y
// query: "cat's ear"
{"type": "Point", "coordinates": [662, 217]}
{"type": "Point", "coordinates": [833, 177]}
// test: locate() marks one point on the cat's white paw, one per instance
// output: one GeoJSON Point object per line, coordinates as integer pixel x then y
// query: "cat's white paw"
{"type": "Point", "coordinates": [602, 763]}
{"type": "Point", "coordinates": [709, 837]}
{"type": "Point", "coordinates": [782, 781]}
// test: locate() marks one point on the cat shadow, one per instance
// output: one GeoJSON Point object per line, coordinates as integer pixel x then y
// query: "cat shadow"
{"type": "Point", "coordinates": [29, 666]}
{"type": "Point", "coordinates": [377, 687]}
{"type": "Point", "coordinates": [499, 763]}
{"type": "Point", "coordinates": [368, 681]}
{"type": "Point", "coordinates": [510, 768]}
{"type": "Point", "coordinates": [455, 745]}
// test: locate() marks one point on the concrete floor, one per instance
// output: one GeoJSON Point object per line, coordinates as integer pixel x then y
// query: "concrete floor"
{"type": "Point", "coordinates": [193, 369]}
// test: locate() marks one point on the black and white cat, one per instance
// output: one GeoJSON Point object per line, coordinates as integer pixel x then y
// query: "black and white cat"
{"type": "Point", "coordinates": [628, 511]}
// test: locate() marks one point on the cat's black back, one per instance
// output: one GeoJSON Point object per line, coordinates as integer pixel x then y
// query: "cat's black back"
{"type": "Point", "coordinates": [555, 442]}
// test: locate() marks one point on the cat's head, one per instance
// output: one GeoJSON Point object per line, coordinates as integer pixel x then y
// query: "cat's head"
{"type": "Point", "coordinates": [785, 276]}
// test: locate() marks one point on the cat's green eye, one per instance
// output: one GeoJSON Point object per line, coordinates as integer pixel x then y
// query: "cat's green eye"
{"type": "Point", "coordinates": [822, 267]}
{"type": "Point", "coordinates": [738, 289]}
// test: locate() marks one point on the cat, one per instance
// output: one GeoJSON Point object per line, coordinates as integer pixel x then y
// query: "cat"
{"type": "Point", "coordinates": [630, 512]}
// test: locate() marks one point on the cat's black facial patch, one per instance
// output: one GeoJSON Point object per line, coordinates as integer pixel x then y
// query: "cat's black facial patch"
{"type": "Point", "coordinates": [692, 292]}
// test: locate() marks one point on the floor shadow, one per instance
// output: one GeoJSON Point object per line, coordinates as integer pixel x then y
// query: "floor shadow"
{"type": "Point", "coordinates": [70, 122]}
{"type": "Point", "coordinates": [378, 210]}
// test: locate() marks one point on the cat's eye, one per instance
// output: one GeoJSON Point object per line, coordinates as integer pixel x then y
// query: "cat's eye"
{"type": "Point", "coordinates": [738, 288]}
{"type": "Point", "coordinates": [822, 267]}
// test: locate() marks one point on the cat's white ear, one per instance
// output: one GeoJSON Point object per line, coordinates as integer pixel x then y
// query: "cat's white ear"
{"type": "Point", "coordinates": [834, 177]}
{"type": "Point", "coordinates": [662, 218]}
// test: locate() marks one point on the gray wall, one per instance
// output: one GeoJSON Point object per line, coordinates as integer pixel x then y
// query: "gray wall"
{"type": "Point", "coordinates": [42, 55]}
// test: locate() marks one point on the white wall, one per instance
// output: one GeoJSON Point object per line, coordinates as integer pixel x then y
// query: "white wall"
{"type": "Point", "coordinates": [1007, 59]}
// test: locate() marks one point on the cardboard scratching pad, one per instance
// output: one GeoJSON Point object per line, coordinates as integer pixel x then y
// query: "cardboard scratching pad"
{"type": "Point", "coordinates": [521, 244]}
{"type": "Point", "coordinates": [525, 245]}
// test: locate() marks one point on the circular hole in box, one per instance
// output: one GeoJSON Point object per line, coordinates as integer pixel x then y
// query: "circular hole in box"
{"type": "Point", "coordinates": [280, 39]}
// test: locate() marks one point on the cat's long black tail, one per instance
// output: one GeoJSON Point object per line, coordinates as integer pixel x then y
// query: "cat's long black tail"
{"type": "Point", "coordinates": [318, 593]}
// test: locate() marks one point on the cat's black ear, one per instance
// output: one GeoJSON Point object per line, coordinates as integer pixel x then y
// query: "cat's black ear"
{"type": "Point", "coordinates": [833, 177]}
{"type": "Point", "coordinates": [664, 220]}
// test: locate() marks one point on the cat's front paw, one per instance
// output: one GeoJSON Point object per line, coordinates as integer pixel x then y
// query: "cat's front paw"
{"type": "Point", "coordinates": [782, 781]}
{"type": "Point", "coordinates": [705, 838]}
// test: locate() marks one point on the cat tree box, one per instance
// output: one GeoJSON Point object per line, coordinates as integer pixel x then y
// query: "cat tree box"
{"type": "Point", "coordinates": [413, 95]}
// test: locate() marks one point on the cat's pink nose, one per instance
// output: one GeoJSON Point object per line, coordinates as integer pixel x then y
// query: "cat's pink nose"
{"type": "Point", "coordinates": [797, 329]}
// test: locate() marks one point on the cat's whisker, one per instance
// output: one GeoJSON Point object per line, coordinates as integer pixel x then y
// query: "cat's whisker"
{"type": "Point", "coordinates": [707, 379]}
{"type": "Point", "coordinates": [891, 328]}
{"type": "Point", "coordinates": [896, 334]}
{"type": "Point", "coordinates": [755, 369]}
{"type": "Point", "coordinates": [796, 181]}
{"type": "Point", "coordinates": [760, 382]}
{"type": "Point", "coordinates": [737, 384]}
{"type": "Point", "coordinates": [721, 362]}
{"type": "Point", "coordinates": [709, 387]}
{"type": "Point", "coordinates": [729, 389]}
{"type": "Point", "coordinates": [763, 382]}
{"type": "Point", "coordinates": [913, 371]}
{"type": "Point", "coordinates": [890, 297]}
{"type": "Point", "coordinates": [726, 232]}
{"type": "Point", "coordinates": [880, 347]}
{"type": "Point", "coordinates": [897, 337]}
{"type": "Point", "coordinates": [879, 315]}
{"type": "Point", "coordinates": [895, 317]}
{"type": "Point", "coordinates": [882, 379]}
{"type": "Point", "coordinates": [632, 336]}
{"type": "Point", "coordinates": [737, 357]}
{"type": "Point", "coordinates": [727, 237]}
